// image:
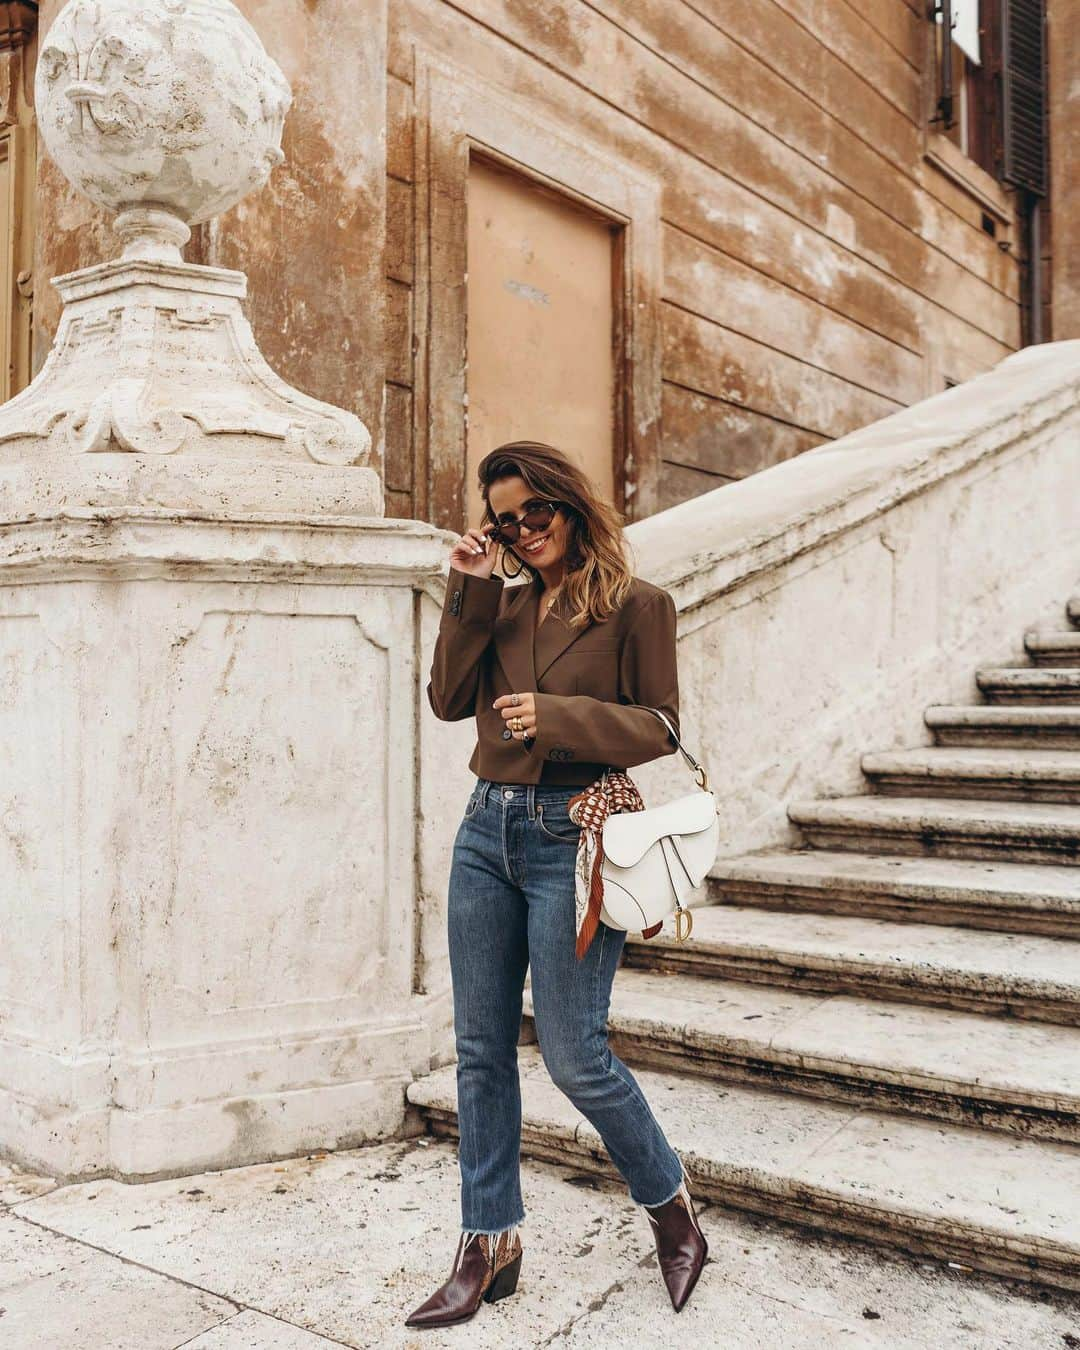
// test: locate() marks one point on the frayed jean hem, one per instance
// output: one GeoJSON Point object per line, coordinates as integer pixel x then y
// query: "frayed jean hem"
{"type": "Point", "coordinates": [494, 1233]}
{"type": "Point", "coordinates": [684, 1180]}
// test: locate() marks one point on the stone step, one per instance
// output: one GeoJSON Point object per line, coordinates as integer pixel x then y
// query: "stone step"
{"type": "Point", "coordinates": [1012, 774]}
{"type": "Point", "coordinates": [1021, 684]}
{"type": "Point", "coordinates": [1006, 725]}
{"type": "Point", "coordinates": [954, 828]}
{"type": "Point", "coordinates": [1035, 978]}
{"type": "Point", "coordinates": [1003, 896]}
{"type": "Point", "coordinates": [1020, 1077]}
{"type": "Point", "coordinates": [1014, 1208]}
{"type": "Point", "coordinates": [1053, 649]}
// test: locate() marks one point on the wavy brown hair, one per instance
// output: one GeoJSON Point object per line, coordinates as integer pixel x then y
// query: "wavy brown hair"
{"type": "Point", "coordinates": [597, 574]}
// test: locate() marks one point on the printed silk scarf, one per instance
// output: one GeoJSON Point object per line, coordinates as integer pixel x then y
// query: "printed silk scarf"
{"type": "Point", "coordinates": [614, 791]}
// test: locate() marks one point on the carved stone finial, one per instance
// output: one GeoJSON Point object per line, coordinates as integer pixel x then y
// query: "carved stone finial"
{"type": "Point", "coordinates": [169, 112]}
{"type": "Point", "coordinates": [170, 103]}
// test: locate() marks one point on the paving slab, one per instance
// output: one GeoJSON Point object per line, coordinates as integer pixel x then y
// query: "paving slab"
{"type": "Point", "coordinates": [378, 1227]}
{"type": "Point", "coordinates": [985, 893]}
{"type": "Point", "coordinates": [756, 1291]}
{"type": "Point", "coordinates": [885, 1178]}
{"type": "Point", "coordinates": [344, 1244]}
{"type": "Point", "coordinates": [1023, 975]}
{"type": "Point", "coordinates": [57, 1294]}
{"type": "Point", "coordinates": [255, 1331]}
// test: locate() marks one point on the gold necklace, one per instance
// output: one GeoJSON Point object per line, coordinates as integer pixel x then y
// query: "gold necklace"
{"type": "Point", "coordinates": [552, 595]}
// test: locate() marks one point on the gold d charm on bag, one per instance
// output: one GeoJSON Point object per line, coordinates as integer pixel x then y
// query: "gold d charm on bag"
{"type": "Point", "coordinates": [681, 916]}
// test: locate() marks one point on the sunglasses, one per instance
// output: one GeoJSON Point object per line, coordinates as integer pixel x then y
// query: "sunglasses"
{"type": "Point", "coordinates": [536, 518]}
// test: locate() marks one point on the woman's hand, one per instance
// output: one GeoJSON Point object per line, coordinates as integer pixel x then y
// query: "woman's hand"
{"type": "Point", "coordinates": [474, 553]}
{"type": "Point", "coordinates": [525, 708]}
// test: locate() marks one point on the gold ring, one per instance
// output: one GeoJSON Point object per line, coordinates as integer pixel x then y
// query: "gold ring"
{"type": "Point", "coordinates": [517, 724]}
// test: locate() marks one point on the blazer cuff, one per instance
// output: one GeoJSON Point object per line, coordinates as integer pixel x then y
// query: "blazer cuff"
{"type": "Point", "coordinates": [580, 727]}
{"type": "Point", "coordinates": [556, 739]}
{"type": "Point", "coordinates": [472, 599]}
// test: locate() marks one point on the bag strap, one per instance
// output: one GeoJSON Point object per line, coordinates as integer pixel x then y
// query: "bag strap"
{"type": "Point", "coordinates": [691, 763]}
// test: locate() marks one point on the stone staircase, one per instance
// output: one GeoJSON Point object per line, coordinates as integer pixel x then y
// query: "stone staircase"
{"type": "Point", "coordinates": [878, 1034]}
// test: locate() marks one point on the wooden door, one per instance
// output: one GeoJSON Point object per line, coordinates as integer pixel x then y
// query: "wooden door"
{"type": "Point", "coordinates": [541, 324]}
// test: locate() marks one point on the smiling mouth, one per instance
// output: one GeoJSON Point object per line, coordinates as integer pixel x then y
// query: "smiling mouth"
{"type": "Point", "coordinates": [535, 545]}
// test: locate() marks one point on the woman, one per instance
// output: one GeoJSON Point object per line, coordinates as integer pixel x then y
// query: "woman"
{"type": "Point", "coordinates": [547, 669]}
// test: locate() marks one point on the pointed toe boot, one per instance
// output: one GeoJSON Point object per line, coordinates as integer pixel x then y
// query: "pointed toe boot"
{"type": "Point", "coordinates": [681, 1248]}
{"type": "Point", "coordinates": [485, 1270]}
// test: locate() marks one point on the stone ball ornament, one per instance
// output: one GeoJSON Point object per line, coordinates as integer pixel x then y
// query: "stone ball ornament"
{"type": "Point", "coordinates": [168, 112]}
{"type": "Point", "coordinates": [168, 104]}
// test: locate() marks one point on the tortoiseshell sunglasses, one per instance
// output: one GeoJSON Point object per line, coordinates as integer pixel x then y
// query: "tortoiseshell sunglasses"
{"type": "Point", "coordinates": [536, 517]}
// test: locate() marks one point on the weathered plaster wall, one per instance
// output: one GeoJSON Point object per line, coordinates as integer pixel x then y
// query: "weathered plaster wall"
{"type": "Point", "coordinates": [312, 241]}
{"type": "Point", "coordinates": [820, 271]}
{"type": "Point", "coordinates": [1063, 18]}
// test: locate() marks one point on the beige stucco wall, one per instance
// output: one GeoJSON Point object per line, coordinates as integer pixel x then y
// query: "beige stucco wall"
{"type": "Point", "coordinates": [819, 271]}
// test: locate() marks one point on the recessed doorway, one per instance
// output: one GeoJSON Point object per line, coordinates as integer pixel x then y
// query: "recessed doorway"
{"type": "Point", "coordinates": [541, 326]}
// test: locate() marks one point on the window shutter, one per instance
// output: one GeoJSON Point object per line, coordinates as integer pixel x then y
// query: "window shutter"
{"type": "Point", "coordinates": [1023, 86]}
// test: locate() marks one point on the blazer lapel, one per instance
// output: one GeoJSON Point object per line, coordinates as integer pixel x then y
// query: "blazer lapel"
{"type": "Point", "coordinates": [514, 639]}
{"type": "Point", "coordinates": [552, 638]}
{"type": "Point", "coordinates": [526, 652]}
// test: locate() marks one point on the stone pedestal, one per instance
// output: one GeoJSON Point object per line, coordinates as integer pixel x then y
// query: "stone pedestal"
{"type": "Point", "coordinates": [207, 837]}
{"type": "Point", "coordinates": [154, 357]}
{"type": "Point", "coordinates": [209, 670]}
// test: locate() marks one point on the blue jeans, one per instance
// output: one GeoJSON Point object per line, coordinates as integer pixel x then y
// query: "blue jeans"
{"type": "Point", "coordinates": [511, 905]}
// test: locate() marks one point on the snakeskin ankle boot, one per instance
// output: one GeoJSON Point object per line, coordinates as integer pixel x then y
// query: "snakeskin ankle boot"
{"type": "Point", "coordinates": [485, 1270]}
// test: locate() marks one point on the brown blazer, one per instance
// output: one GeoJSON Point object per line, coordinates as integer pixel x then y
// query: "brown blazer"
{"type": "Point", "coordinates": [582, 678]}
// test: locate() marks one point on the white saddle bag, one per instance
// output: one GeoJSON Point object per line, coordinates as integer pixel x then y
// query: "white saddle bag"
{"type": "Point", "coordinates": [654, 858]}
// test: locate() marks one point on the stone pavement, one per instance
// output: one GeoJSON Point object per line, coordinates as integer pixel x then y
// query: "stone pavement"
{"type": "Point", "coordinates": [334, 1249]}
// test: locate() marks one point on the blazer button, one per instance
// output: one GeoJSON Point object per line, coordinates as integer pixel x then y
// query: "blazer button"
{"type": "Point", "coordinates": [507, 735]}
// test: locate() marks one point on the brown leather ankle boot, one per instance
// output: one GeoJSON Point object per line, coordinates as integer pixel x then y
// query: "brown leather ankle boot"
{"type": "Point", "coordinates": [484, 1271]}
{"type": "Point", "coordinates": [680, 1244]}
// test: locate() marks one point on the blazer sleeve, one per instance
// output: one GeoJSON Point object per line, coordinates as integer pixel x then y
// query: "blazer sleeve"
{"type": "Point", "coordinates": [470, 609]}
{"type": "Point", "coordinates": [613, 733]}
